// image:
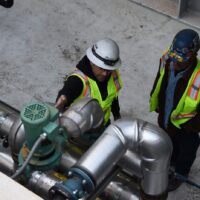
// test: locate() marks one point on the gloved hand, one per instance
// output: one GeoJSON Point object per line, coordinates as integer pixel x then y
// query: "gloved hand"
{"type": "Point", "coordinates": [61, 102]}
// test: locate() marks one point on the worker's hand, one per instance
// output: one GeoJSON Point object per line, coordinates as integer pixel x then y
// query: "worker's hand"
{"type": "Point", "coordinates": [62, 100]}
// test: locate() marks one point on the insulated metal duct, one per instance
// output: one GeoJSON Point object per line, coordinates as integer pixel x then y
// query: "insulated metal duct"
{"type": "Point", "coordinates": [152, 144]}
{"type": "Point", "coordinates": [79, 118]}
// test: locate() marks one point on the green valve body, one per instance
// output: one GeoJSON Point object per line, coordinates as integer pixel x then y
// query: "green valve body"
{"type": "Point", "coordinates": [34, 116]}
{"type": "Point", "coordinates": [39, 118]}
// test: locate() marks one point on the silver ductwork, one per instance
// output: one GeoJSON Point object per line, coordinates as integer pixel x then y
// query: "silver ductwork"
{"type": "Point", "coordinates": [131, 163]}
{"type": "Point", "coordinates": [154, 148]}
{"type": "Point", "coordinates": [150, 142]}
{"type": "Point", "coordinates": [82, 117]}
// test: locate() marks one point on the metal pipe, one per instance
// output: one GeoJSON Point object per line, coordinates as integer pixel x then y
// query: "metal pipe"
{"type": "Point", "coordinates": [86, 115]}
{"type": "Point", "coordinates": [136, 146]}
{"type": "Point", "coordinates": [120, 188]}
{"type": "Point", "coordinates": [119, 191]}
{"type": "Point", "coordinates": [8, 116]}
{"type": "Point", "coordinates": [11, 127]}
{"type": "Point", "coordinates": [40, 183]}
{"type": "Point", "coordinates": [68, 159]}
{"type": "Point", "coordinates": [152, 144]}
{"type": "Point", "coordinates": [7, 108]}
{"type": "Point", "coordinates": [123, 186]}
{"type": "Point", "coordinates": [103, 155]}
{"type": "Point", "coordinates": [131, 163]}
{"type": "Point", "coordinates": [104, 184]}
{"type": "Point", "coordinates": [155, 148]}
{"type": "Point", "coordinates": [7, 165]}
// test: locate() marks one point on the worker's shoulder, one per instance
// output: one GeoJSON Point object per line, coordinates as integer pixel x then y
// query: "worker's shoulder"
{"type": "Point", "coordinates": [73, 74]}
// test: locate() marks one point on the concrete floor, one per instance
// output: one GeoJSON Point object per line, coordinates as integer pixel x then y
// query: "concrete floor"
{"type": "Point", "coordinates": [41, 40]}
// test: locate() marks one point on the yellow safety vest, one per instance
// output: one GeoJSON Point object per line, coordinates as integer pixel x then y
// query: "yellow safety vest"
{"type": "Point", "coordinates": [186, 108]}
{"type": "Point", "coordinates": [90, 89]}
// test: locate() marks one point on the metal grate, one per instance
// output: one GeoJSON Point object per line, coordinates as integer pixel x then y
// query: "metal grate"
{"type": "Point", "coordinates": [35, 112]}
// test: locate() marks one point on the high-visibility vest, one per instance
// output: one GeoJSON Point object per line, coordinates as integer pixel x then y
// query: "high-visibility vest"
{"type": "Point", "coordinates": [154, 97]}
{"type": "Point", "coordinates": [187, 106]}
{"type": "Point", "coordinates": [90, 89]}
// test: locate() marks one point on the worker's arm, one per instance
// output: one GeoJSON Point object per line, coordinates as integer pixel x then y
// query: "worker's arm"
{"type": "Point", "coordinates": [72, 89]}
{"type": "Point", "coordinates": [115, 109]}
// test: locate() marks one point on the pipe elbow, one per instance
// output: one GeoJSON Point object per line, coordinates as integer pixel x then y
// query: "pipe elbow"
{"type": "Point", "coordinates": [156, 147]}
{"type": "Point", "coordinates": [82, 116]}
{"type": "Point", "coordinates": [152, 143]}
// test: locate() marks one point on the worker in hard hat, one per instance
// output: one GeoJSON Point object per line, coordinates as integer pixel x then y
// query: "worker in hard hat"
{"type": "Point", "coordinates": [176, 98]}
{"type": "Point", "coordinates": [96, 76]}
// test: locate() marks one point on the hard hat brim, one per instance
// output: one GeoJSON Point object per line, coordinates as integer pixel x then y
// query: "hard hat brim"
{"type": "Point", "coordinates": [99, 62]}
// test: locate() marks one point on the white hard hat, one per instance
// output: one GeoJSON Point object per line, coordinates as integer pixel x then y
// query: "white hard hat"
{"type": "Point", "coordinates": [105, 54]}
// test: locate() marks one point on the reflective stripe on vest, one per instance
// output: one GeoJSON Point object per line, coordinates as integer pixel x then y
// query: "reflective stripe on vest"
{"type": "Point", "coordinates": [193, 93]}
{"type": "Point", "coordinates": [187, 106]}
{"type": "Point", "coordinates": [185, 116]}
{"type": "Point", "coordinates": [194, 89]}
{"type": "Point", "coordinates": [116, 81]}
{"type": "Point", "coordinates": [87, 90]}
